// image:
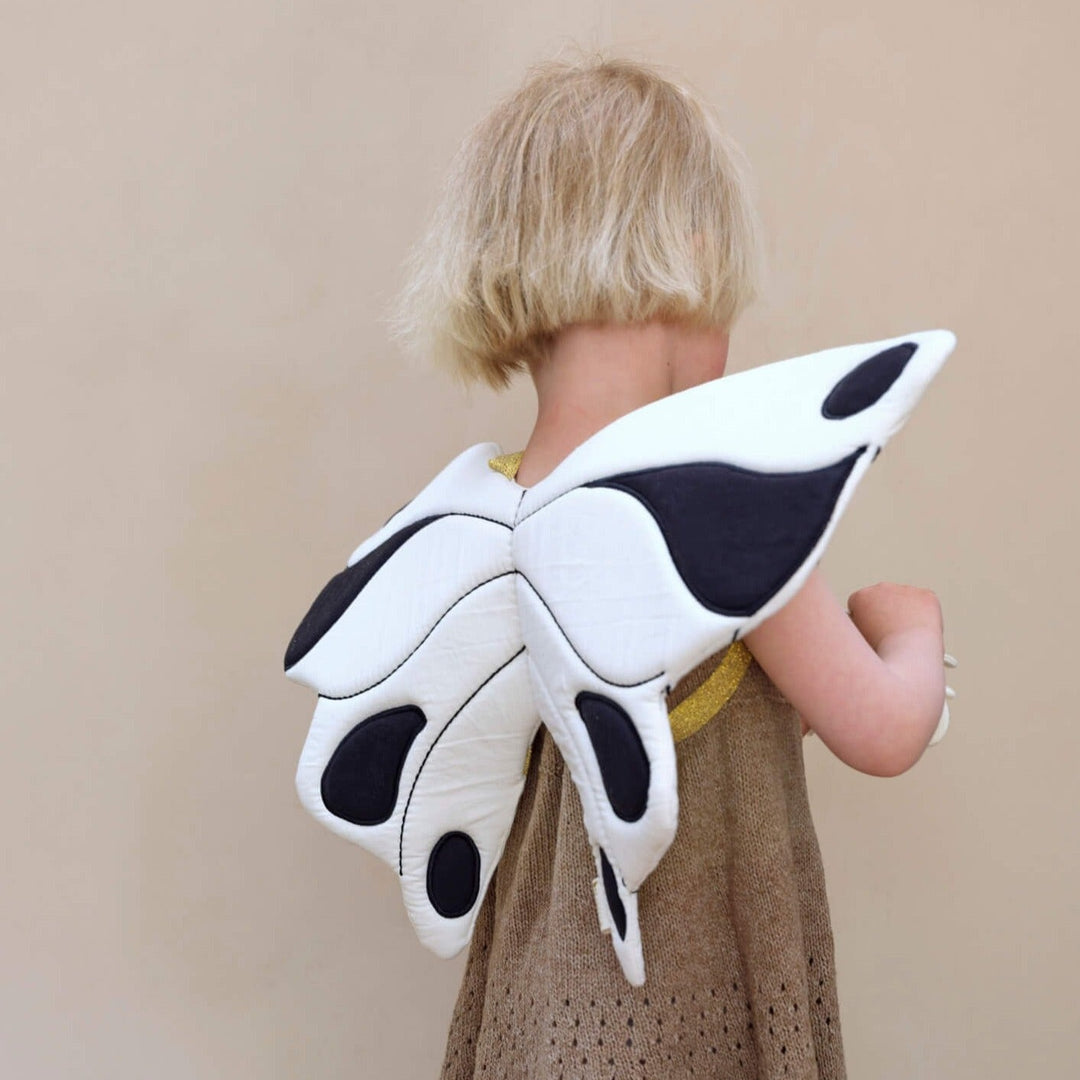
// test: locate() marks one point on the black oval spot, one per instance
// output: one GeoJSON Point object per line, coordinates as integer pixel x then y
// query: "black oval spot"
{"type": "Point", "coordinates": [360, 781]}
{"type": "Point", "coordinates": [624, 765]}
{"type": "Point", "coordinates": [867, 383]}
{"type": "Point", "coordinates": [611, 891]}
{"type": "Point", "coordinates": [342, 589]}
{"type": "Point", "coordinates": [453, 875]}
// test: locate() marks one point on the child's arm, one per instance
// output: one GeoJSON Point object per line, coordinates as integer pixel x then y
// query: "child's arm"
{"type": "Point", "coordinates": [872, 684]}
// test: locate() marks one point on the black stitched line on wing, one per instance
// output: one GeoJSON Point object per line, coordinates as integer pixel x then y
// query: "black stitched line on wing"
{"type": "Point", "coordinates": [623, 686]}
{"type": "Point", "coordinates": [453, 513]}
{"type": "Point", "coordinates": [345, 697]}
{"type": "Point", "coordinates": [457, 713]}
{"type": "Point", "coordinates": [542, 506]}
{"type": "Point", "coordinates": [339, 593]}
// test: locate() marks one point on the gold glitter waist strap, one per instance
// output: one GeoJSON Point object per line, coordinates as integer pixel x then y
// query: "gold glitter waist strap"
{"type": "Point", "coordinates": [700, 706]}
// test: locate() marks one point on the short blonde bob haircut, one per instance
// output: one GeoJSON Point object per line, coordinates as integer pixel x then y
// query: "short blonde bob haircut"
{"type": "Point", "coordinates": [599, 191]}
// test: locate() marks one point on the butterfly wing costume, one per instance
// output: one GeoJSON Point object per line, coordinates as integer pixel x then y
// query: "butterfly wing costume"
{"type": "Point", "coordinates": [482, 609]}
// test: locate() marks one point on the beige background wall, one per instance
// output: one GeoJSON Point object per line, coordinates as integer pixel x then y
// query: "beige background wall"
{"type": "Point", "coordinates": [203, 208]}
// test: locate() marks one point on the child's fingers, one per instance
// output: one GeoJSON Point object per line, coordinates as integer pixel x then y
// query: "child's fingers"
{"type": "Point", "coordinates": [943, 723]}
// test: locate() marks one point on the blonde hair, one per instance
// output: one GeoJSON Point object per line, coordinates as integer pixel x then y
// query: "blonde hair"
{"type": "Point", "coordinates": [599, 190]}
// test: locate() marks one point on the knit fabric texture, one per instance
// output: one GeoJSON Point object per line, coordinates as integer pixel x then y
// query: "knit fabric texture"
{"type": "Point", "coordinates": [739, 963]}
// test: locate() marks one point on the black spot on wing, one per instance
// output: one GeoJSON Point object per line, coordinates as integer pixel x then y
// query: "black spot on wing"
{"type": "Point", "coordinates": [736, 535]}
{"type": "Point", "coordinates": [453, 875]}
{"type": "Point", "coordinates": [360, 781]}
{"type": "Point", "coordinates": [342, 589]}
{"type": "Point", "coordinates": [867, 383]}
{"type": "Point", "coordinates": [624, 765]}
{"type": "Point", "coordinates": [611, 891]}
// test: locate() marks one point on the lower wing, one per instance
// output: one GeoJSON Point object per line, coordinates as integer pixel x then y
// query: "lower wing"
{"type": "Point", "coordinates": [424, 770]}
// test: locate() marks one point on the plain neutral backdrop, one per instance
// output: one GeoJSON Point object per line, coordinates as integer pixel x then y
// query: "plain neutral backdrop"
{"type": "Point", "coordinates": [204, 211]}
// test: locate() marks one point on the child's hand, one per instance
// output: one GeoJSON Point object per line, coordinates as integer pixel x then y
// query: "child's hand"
{"type": "Point", "coordinates": [869, 682]}
{"type": "Point", "coordinates": [888, 608]}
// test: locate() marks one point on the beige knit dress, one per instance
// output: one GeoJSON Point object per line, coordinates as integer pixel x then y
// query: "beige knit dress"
{"type": "Point", "coordinates": [739, 966]}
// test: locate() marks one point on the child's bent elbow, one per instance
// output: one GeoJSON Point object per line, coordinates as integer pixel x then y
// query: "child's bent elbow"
{"type": "Point", "coordinates": [893, 746]}
{"type": "Point", "coordinates": [887, 765]}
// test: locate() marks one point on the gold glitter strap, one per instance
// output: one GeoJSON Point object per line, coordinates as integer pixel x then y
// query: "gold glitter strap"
{"type": "Point", "coordinates": [507, 464]}
{"type": "Point", "coordinates": [698, 708]}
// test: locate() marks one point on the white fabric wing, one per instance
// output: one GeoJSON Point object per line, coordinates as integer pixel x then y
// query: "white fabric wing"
{"type": "Point", "coordinates": [483, 608]}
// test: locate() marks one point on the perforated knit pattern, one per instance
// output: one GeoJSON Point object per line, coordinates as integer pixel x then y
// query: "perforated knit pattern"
{"type": "Point", "coordinates": [739, 978]}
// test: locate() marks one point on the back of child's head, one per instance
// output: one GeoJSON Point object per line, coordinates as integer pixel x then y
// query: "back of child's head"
{"type": "Point", "coordinates": [599, 191]}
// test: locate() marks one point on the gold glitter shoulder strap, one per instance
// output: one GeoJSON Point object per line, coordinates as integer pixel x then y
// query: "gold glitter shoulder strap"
{"type": "Point", "coordinates": [507, 464]}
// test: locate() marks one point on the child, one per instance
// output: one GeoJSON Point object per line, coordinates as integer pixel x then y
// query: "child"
{"type": "Point", "coordinates": [596, 231]}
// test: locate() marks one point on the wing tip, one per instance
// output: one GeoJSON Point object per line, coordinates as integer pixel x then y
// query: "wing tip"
{"type": "Point", "coordinates": [941, 340]}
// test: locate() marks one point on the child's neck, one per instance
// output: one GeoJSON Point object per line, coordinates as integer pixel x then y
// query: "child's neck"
{"type": "Point", "coordinates": [596, 373]}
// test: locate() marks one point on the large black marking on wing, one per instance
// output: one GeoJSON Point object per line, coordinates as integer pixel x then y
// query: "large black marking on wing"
{"type": "Point", "coordinates": [360, 782]}
{"type": "Point", "coordinates": [624, 765]}
{"type": "Point", "coordinates": [737, 535]}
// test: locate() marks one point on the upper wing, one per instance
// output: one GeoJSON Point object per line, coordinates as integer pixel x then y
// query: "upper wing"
{"type": "Point", "coordinates": [404, 578]}
{"type": "Point", "coordinates": [667, 534]}
{"type": "Point", "coordinates": [795, 414]}
{"type": "Point", "coordinates": [425, 713]}
{"type": "Point", "coordinates": [694, 518]}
